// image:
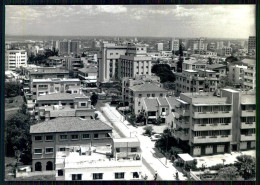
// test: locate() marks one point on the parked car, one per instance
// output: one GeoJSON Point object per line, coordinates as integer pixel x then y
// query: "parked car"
{"type": "Point", "coordinates": [155, 137]}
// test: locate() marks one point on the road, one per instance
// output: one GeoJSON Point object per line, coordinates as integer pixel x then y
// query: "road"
{"type": "Point", "coordinates": [165, 169]}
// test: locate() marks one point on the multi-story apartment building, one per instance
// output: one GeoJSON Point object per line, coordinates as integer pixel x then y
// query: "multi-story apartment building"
{"type": "Point", "coordinates": [44, 72]}
{"type": "Point", "coordinates": [195, 81]}
{"type": "Point", "coordinates": [220, 45]}
{"type": "Point", "coordinates": [108, 59]}
{"type": "Point", "coordinates": [128, 82]}
{"type": "Point", "coordinates": [68, 47]}
{"type": "Point", "coordinates": [15, 59]}
{"type": "Point", "coordinates": [73, 64]}
{"type": "Point", "coordinates": [123, 162]}
{"type": "Point", "coordinates": [226, 51]}
{"type": "Point", "coordinates": [193, 64]}
{"type": "Point", "coordinates": [174, 45]}
{"type": "Point", "coordinates": [56, 61]}
{"type": "Point", "coordinates": [67, 134]}
{"type": "Point", "coordinates": [135, 62]}
{"type": "Point", "coordinates": [249, 77]}
{"type": "Point", "coordinates": [209, 124]}
{"type": "Point", "coordinates": [252, 45]}
{"type": "Point", "coordinates": [198, 44]}
{"type": "Point", "coordinates": [236, 73]}
{"type": "Point", "coordinates": [39, 87]}
{"type": "Point", "coordinates": [63, 105]}
{"type": "Point", "coordinates": [139, 92]}
{"type": "Point", "coordinates": [88, 76]}
{"type": "Point", "coordinates": [219, 68]}
{"type": "Point", "coordinates": [74, 47]}
{"type": "Point", "coordinates": [159, 46]}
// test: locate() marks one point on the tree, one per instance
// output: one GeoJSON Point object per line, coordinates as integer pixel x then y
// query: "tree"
{"type": "Point", "coordinates": [164, 72]}
{"type": "Point", "coordinates": [12, 89]}
{"type": "Point", "coordinates": [246, 166]}
{"type": "Point", "coordinates": [225, 81]}
{"type": "Point", "coordinates": [174, 151]}
{"type": "Point", "coordinates": [141, 117]}
{"type": "Point", "coordinates": [148, 130]}
{"type": "Point", "coordinates": [18, 136]}
{"type": "Point", "coordinates": [83, 54]}
{"type": "Point", "coordinates": [94, 99]}
{"type": "Point", "coordinates": [210, 62]}
{"type": "Point", "coordinates": [229, 173]}
{"type": "Point", "coordinates": [231, 59]}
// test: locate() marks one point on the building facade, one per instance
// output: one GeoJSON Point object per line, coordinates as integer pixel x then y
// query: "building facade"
{"type": "Point", "coordinates": [15, 59]}
{"type": "Point", "coordinates": [249, 77]}
{"type": "Point", "coordinates": [252, 45]}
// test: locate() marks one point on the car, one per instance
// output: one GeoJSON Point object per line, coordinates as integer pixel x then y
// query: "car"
{"type": "Point", "coordinates": [155, 137]}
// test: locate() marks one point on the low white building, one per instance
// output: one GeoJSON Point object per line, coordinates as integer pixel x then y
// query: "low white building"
{"type": "Point", "coordinates": [121, 162]}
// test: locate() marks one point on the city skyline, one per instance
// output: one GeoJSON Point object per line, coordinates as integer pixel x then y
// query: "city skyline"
{"type": "Point", "coordinates": [133, 21]}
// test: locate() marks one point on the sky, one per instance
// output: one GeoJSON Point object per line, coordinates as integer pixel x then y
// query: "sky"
{"type": "Point", "coordinates": [213, 21]}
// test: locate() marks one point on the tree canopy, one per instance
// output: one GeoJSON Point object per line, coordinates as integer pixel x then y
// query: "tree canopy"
{"type": "Point", "coordinates": [12, 89]}
{"type": "Point", "coordinates": [164, 72]}
{"type": "Point", "coordinates": [94, 99]}
{"type": "Point", "coordinates": [229, 173]}
{"type": "Point", "coordinates": [246, 166]}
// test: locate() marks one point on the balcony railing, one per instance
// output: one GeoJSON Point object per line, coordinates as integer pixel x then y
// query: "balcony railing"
{"type": "Point", "coordinates": [211, 126]}
{"type": "Point", "coordinates": [245, 125]}
{"type": "Point", "coordinates": [211, 139]}
{"type": "Point", "coordinates": [215, 114]}
{"type": "Point", "coordinates": [248, 113]}
{"type": "Point", "coordinates": [248, 137]}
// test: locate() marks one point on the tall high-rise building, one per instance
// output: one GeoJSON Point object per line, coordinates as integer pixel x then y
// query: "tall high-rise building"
{"type": "Point", "coordinates": [252, 45]}
{"type": "Point", "coordinates": [15, 59]}
{"type": "Point", "coordinates": [174, 45]}
{"type": "Point", "coordinates": [159, 46]}
{"type": "Point", "coordinates": [64, 48]}
{"type": "Point", "coordinates": [198, 44]}
{"type": "Point", "coordinates": [74, 47]}
{"type": "Point", "coordinates": [220, 45]}
{"type": "Point", "coordinates": [67, 47]}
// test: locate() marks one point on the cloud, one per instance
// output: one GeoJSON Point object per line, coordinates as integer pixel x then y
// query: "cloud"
{"type": "Point", "coordinates": [114, 9]}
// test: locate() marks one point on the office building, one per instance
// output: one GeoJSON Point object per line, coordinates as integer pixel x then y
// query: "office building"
{"type": "Point", "coordinates": [159, 46]}
{"type": "Point", "coordinates": [15, 59]}
{"type": "Point", "coordinates": [252, 45]}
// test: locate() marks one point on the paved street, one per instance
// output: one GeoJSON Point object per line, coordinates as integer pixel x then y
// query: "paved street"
{"type": "Point", "coordinates": [165, 172]}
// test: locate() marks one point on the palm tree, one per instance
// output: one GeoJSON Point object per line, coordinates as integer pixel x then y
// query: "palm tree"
{"type": "Point", "coordinates": [246, 165]}
{"type": "Point", "coordinates": [228, 174]}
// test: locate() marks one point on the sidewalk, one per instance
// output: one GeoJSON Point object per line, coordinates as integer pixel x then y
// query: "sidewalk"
{"type": "Point", "coordinates": [165, 172]}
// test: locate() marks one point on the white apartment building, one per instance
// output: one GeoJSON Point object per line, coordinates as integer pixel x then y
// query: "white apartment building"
{"type": "Point", "coordinates": [159, 46]}
{"type": "Point", "coordinates": [134, 62]}
{"type": "Point", "coordinates": [209, 124]}
{"type": "Point", "coordinates": [174, 45]}
{"type": "Point", "coordinates": [249, 78]}
{"type": "Point", "coordinates": [108, 59]}
{"type": "Point", "coordinates": [236, 73]}
{"type": "Point", "coordinates": [122, 161]}
{"type": "Point", "coordinates": [15, 59]}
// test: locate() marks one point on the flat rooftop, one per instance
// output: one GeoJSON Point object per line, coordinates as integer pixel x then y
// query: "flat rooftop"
{"type": "Point", "coordinates": [57, 80]}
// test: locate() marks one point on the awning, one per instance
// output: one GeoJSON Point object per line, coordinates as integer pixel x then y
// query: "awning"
{"type": "Point", "coordinates": [186, 157]}
{"type": "Point", "coordinates": [181, 101]}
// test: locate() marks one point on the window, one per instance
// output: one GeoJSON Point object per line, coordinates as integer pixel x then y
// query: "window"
{"type": "Point", "coordinates": [97, 176]}
{"type": "Point", "coordinates": [37, 151]}
{"type": "Point", "coordinates": [83, 104]}
{"type": "Point", "coordinates": [48, 150]}
{"type": "Point", "coordinates": [95, 135]}
{"type": "Point", "coordinates": [117, 150]}
{"type": "Point", "coordinates": [49, 138]}
{"type": "Point", "coordinates": [111, 54]}
{"type": "Point", "coordinates": [107, 135]}
{"type": "Point", "coordinates": [63, 137]}
{"type": "Point", "coordinates": [135, 175]}
{"type": "Point", "coordinates": [63, 104]}
{"type": "Point", "coordinates": [148, 95]}
{"type": "Point", "coordinates": [76, 176]}
{"type": "Point", "coordinates": [62, 149]}
{"type": "Point", "coordinates": [139, 103]}
{"type": "Point", "coordinates": [133, 149]}
{"type": "Point", "coordinates": [85, 136]}
{"type": "Point", "coordinates": [38, 138]}
{"type": "Point", "coordinates": [140, 95]}
{"type": "Point", "coordinates": [74, 137]}
{"type": "Point", "coordinates": [153, 95]}
{"type": "Point", "coordinates": [161, 95]}
{"type": "Point", "coordinates": [120, 175]}
{"type": "Point", "coordinates": [163, 109]}
{"type": "Point", "coordinates": [60, 172]}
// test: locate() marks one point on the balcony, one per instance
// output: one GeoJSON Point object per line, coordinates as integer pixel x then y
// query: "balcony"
{"type": "Point", "coordinates": [211, 139]}
{"type": "Point", "coordinates": [249, 137]}
{"type": "Point", "coordinates": [215, 126]}
{"type": "Point", "coordinates": [247, 125]}
{"type": "Point", "coordinates": [248, 113]}
{"type": "Point", "coordinates": [183, 112]}
{"type": "Point", "coordinates": [217, 114]}
{"type": "Point", "coordinates": [182, 123]}
{"type": "Point", "coordinates": [181, 135]}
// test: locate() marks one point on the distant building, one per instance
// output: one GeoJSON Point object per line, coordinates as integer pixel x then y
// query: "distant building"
{"type": "Point", "coordinates": [220, 45]}
{"type": "Point", "coordinates": [159, 46]}
{"type": "Point", "coordinates": [55, 61]}
{"type": "Point", "coordinates": [236, 73]}
{"type": "Point", "coordinates": [134, 62]}
{"type": "Point", "coordinates": [15, 59]}
{"type": "Point", "coordinates": [88, 76]}
{"type": "Point", "coordinates": [73, 65]}
{"type": "Point", "coordinates": [174, 45]}
{"type": "Point", "coordinates": [252, 45]}
{"type": "Point", "coordinates": [221, 70]}
{"type": "Point", "coordinates": [40, 87]}
{"type": "Point", "coordinates": [65, 134]}
{"type": "Point", "coordinates": [56, 105]}
{"type": "Point", "coordinates": [68, 47]}
{"type": "Point", "coordinates": [226, 51]}
{"type": "Point", "coordinates": [249, 77]}
{"type": "Point", "coordinates": [108, 58]}
{"type": "Point", "coordinates": [198, 45]}
{"type": "Point", "coordinates": [207, 124]}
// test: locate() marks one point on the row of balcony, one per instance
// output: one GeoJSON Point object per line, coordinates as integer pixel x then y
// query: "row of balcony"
{"type": "Point", "coordinates": [217, 114]}
{"type": "Point", "coordinates": [211, 126]}
{"type": "Point", "coordinates": [248, 113]}
{"type": "Point", "coordinates": [248, 137]}
{"type": "Point", "coordinates": [211, 139]}
{"type": "Point", "coordinates": [247, 125]}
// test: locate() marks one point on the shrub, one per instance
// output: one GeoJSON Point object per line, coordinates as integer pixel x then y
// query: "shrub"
{"type": "Point", "coordinates": [148, 130]}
